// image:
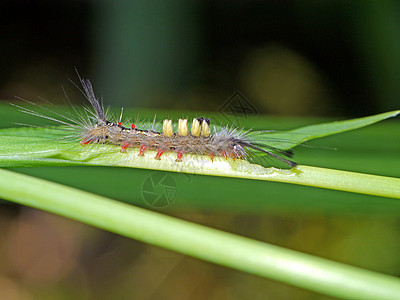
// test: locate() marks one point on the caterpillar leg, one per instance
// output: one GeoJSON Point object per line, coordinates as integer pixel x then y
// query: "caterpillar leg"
{"type": "Point", "coordinates": [142, 150]}
{"type": "Point", "coordinates": [224, 155]}
{"type": "Point", "coordinates": [159, 153]}
{"type": "Point", "coordinates": [179, 156]}
{"type": "Point", "coordinates": [84, 142]}
{"type": "Point", "coordinates": [124, 146]}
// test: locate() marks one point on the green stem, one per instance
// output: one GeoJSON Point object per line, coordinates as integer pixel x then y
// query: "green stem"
{"type": "Point", "coordinates": [226, 249]}
{"type": "Point", "coordinates": [340, 180]}
{"type": "Point", "coordinates": [303, 175]}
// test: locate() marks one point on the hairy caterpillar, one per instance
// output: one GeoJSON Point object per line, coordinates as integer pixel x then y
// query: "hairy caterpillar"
{"type": "Point", "coordinates": [95, 127]}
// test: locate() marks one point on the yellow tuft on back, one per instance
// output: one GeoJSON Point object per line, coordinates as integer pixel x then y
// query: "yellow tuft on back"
{"type": "Point", "coordinates": [205, 129]}
{"type": "Point", "coordinates": [182, 127]}
{"type": "Point", "coordinates": [196, 127]}
{"type": "Point", "coordinates": [167, 128]}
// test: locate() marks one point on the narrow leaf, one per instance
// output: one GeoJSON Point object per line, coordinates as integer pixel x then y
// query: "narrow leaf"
{"type": "Point", "coordinates": [292, 138]}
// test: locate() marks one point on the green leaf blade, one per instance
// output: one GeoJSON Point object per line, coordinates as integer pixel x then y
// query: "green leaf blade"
{"type": "Point", "coordinates": [30, 147]}
{"type": "Point", "coordinates": [291, 138]}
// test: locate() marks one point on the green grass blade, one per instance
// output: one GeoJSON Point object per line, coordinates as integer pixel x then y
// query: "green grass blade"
{"type": "Point", "coordinates": [195, 164]}
{"type": "Point", "coordinates": [291, 138]}
{"type": "Point", "coordinates": [291, 267]}
{"type": "Point", "coordinates": [28, 147]}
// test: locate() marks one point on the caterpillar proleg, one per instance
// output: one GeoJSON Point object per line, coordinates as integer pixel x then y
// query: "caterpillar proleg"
{"type": "Point", "coordinates": [96, 127]}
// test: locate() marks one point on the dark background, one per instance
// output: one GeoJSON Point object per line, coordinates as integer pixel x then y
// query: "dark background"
{"type": "Point", "coordinates": [339, 58]}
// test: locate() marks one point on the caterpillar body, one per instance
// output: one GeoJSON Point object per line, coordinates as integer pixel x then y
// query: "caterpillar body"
{"type": "Point", "coordinates": [201, 138]}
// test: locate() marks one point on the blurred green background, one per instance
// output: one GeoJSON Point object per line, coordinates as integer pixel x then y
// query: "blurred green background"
{"type": "Point", "coordinates": [295, 62]}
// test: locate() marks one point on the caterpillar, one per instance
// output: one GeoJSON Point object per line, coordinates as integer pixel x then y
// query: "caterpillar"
{"type": "Point", "coordinates": [200, 138]}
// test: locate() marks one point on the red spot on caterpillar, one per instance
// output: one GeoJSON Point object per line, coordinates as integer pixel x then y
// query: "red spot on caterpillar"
{"type": "Point", "coordinates": [119, 123]}
{"type": "Point", "coordinates": [159, 153]}
{"type": "Point", "coordinates": [233, 155]}
{"type": "Point", "coordinates": [211, 156]}
{"type": "Point", "coordinates": [124, 146]}
{"type": "Point", "coordinates": [142, 149]}
{"type": "Point", "coordinates": [223, 153]}
{"type": "Point", "coordinates": [179, 156]}
{"type": "Point", "coordinates": [83, 142]}
{"type": "Point", "coordinates": [133, 126]}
